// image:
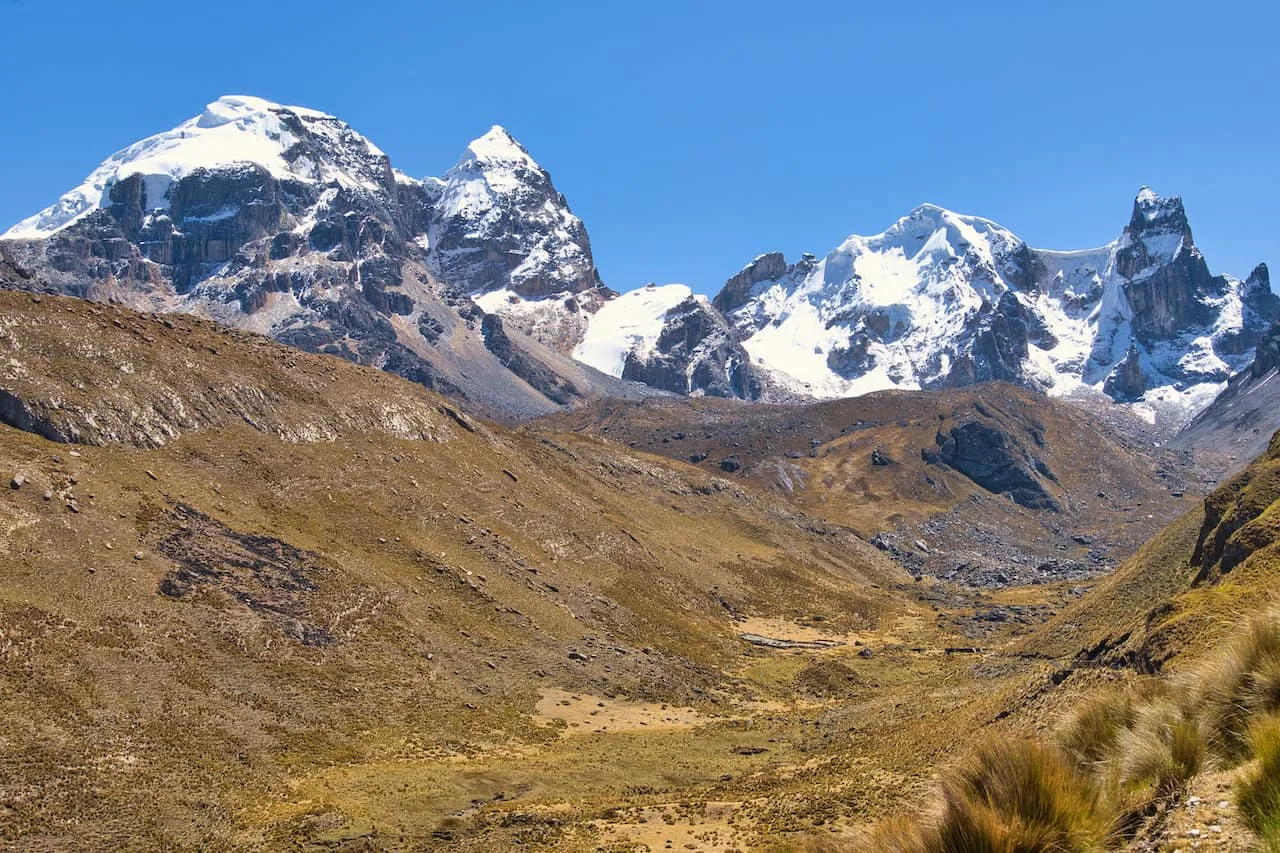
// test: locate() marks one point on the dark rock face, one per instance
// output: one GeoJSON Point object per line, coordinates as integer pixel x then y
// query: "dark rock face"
{"type": "Point", "coordinates": [1126, 382]}
{"type": "Point", "coordinates": [996, 461]}
{"type": "Point", "coordinates": [1172, 298]}
{"type": "Point", "coordinates": [1267, 358]}
{"type": "Point", "coordinates": [16, 413]}
{"type": "Point", "coordinates": [998, 346]}
{"type": "Point", "coordinates": [1258, 295]}
{"type": "Point", "coordinates": [1168, 277]}
{"type": "Point", "coordinates": [1023, 269]}
{"type": "Point", "coordinates": [697, 352]}
{"type": "Point", "coordinates": [854, 360]}
{"type": "Point", "coordinates": [737, 290]}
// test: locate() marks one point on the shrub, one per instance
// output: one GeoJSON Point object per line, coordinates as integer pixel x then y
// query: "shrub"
{"type": "Point", "coordinates": [1258, 793]}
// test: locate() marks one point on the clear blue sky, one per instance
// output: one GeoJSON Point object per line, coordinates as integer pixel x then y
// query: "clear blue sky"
{"type": "Point", "coordinates": [692, 136]}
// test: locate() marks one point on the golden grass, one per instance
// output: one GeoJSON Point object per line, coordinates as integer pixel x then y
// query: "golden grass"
{"type": "Point", "coordinates": [1240, 685]}
{"type": "Point", "coordinates": [1093, 734]}
{"type": "Point", "coordinates": [1015, 796]}
{"type": "Point", "coordinates": [1258, 793]}
{"type": "Point", "coordinates": [1121, 756]}
{"type": "Point", "coordinates": [1163, 749]}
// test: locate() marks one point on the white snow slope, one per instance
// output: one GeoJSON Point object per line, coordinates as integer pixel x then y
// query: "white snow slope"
{"type": "Point", "coordinates": [630, 323]}
{"type": "Point", "coordinates": [235, 129]}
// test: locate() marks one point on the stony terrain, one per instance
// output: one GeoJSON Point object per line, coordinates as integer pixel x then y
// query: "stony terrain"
{"type": "Point", "coordinates": [304, 604]}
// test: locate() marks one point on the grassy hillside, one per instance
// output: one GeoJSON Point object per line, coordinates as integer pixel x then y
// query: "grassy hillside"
{"type": "Point", "coordinates": [1185, 589]}
{"type": "Point", "coordinates": [258, 599]}
{"type": "Point", "coordinates": [298, 603]}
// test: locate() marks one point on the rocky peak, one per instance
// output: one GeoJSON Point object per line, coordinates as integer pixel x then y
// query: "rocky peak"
{"type": "Point", "coordinates": [1153, 213]}
{"type": "Point", "coordinates": [497, 147]}
{"type": "Point", "coordinates": [500, 223]}
{"type": "Point", "coordinates": [1126, 381]}
{"type": "Point", "coordinates": [1257, 286]}
{"type": "Point", "coordinates": [290, 144]}
{"type": "Point", "coordinates": [1157, 234]}
{"type": "Point", "coordinates": [1259, 279]}
{"type": "Point", "coordinates": [1267, 355]}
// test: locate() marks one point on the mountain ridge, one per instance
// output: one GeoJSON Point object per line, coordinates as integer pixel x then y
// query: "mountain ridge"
{"type": "Point", "coordinates": [943, 299]}
{"type": "Point", "coordinates": [481, 282]}
{"type": "Point", "coordinates": [287, 222]}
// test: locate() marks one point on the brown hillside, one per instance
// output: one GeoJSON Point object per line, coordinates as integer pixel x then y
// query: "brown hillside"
{"type": "Point", "coordinates": [1190, 586]}
{"type": "Point", "coordinates": [1041, 491]}
{"type": "Point", "coordinates": [276, 601]}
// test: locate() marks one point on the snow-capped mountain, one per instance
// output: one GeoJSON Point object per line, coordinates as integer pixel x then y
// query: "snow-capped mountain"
{"type": "Point", "coordinates": [942, 299]}
{"type": "Point", "coordinates": [481, 283]}
{"type": "Point", "coordinates": [290, 144]}
{"type": "Point", "coordinates": [286, 221]}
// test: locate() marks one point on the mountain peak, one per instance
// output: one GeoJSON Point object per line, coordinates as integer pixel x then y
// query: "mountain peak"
{"type": "Point", "coordinates": [230, 108]}
{"type": "Point", "coordinates": [1154, 212]}
{"type": "Point", "coordinates": [930, 209]}
{"type": "Point", "coordinates": [497, 147]}
{"type": "Point", "coordinates": [234, 130]}
{"type": "Point", "coordinates": [937, 215]}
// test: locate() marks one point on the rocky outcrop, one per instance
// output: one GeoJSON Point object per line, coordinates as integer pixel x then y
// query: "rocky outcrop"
{"type": "Point", "coordinates": [500, 223]}
{"type": "Point", "coordinates": [1234, 524]}
{"type": "Point", "coordinates": [551, 385]}
{"type": "Point", "coordinates": [737, 290]}
{"type": "Point", "coordinates": [997, 346]}
{"type": "Point", "coordinates": [697, 353]}
{"type": "Point", "coordinates": [1126, 382]}
{"type": "Point", "coordinates": [995, 460]}
{"type": "Point", "coordinates": [1239, 422]}
{"type": "Point", "coordinates": [1267, 357]}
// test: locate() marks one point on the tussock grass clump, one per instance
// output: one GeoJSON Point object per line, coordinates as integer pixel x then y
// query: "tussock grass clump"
{"type": "Point", "coordinates": [1016, 796]}
{"type": "Point", "coordinates": [1240, 686]}
{"type": "Point", "coordinates": [1162, 748]}
{"type": "Point", "coordinates": [1092, 735]}
{"type": "Point", "coordinates": [1116, 761]}
{"type": "Point", "coordinates": [1258, 793]}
